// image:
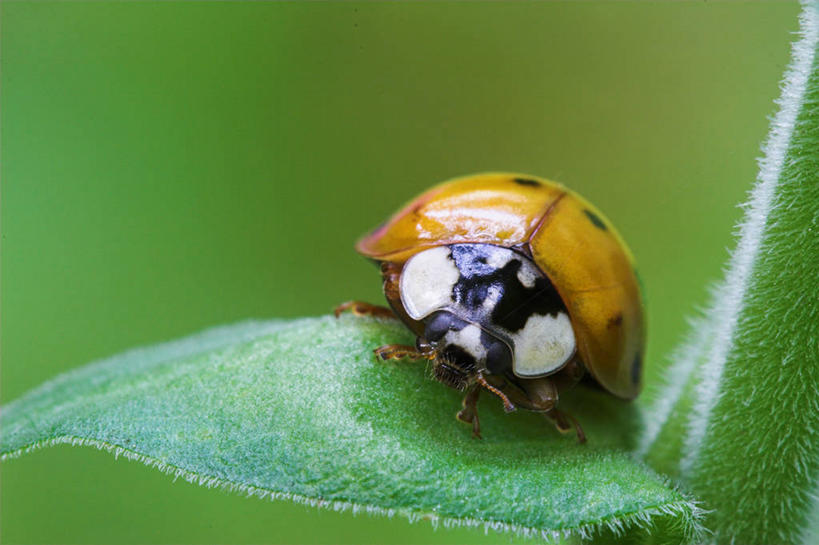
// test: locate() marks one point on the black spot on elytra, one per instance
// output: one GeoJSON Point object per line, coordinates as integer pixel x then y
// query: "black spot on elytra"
{"type": "Point", "coordinates": [595, 219]}
{"type": "Point", "coordinates": [516, 302]}
{"type": "Point", "coordinates": [636, 368]}
{"type": "Point", "coordinates": [526, 181]}
{"type": "Point", "coordinates": [615, 321]}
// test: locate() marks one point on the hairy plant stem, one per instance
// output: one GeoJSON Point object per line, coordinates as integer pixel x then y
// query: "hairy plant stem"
{"type": "Point", "coordinates": [739, 420]}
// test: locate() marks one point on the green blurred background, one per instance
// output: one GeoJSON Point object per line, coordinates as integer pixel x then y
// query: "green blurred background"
{"type": "Point", "coordinates": [167, 167]}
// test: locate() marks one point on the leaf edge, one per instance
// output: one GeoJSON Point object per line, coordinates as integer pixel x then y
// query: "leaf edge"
{"type": "Point", "coordinates": [685, 515]}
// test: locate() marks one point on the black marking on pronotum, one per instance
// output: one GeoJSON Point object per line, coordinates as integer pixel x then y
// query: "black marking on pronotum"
{"type": "Point", "coordinates": [526, 181]}
{"type": "Point", "coordinates": [595, 219]}
{"type": "Point", "coordinates": [636, 368]}
{"type": "Point", "coordinates": [514, 302]}
{"type": "Point", "coordinates": [518, 303]}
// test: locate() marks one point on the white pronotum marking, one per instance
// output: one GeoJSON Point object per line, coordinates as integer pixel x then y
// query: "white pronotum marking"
{"type": "Point", "coordinates": [493, 295]}
{"type": "Point", "coordinates": [527, 275]}
{"type": "Point", "coordinates": [498, 259]}
{"type": "Point", "coordinates": [544, 345]}
{"type": "Point", "coordinates": [427, 281]}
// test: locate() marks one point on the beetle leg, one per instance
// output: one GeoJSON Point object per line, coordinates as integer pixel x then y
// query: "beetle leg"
{"type": "Point", "coordinates": [391, 274]}
{"type": "Point", "coordinates": [564, 422]}
{"type": "Point", "coordinates": [360, 308]}
{"type": "Point", "coordinates": [469, 413]}
{"type": "Point", "coordinates": [399, 351]}
{"type": "Point", "coordinates": [507, 405]}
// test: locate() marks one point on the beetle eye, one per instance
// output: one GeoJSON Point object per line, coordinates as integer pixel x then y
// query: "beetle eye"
{"type": "Point", "coordinates": [498, 357]}
{"type": "Point", "coordinates": [440, 323]}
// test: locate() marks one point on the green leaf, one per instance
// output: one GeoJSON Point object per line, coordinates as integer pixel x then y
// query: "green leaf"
{"type": "Point", "coordinates": [301, 410]}
{"type": "Point", "coordinates": [738, 420]}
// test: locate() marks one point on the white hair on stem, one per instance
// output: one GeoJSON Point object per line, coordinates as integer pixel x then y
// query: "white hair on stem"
{"type": "Point", "coordinates": [664, 399]}
{"type": "Point", "coordinates": [810, 531]}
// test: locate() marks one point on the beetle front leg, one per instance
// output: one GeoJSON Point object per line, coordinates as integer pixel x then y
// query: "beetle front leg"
{"type": "Point", "coordinates": [564, 422]}
{"type": "Point", "coordinates": [360, 308]}
{"type": "Point", "coordinates": [508, 406]}
{"type": "Point", "coordinates": [400, 351]}
{"type": "Point", "coordinates": [469, 413]}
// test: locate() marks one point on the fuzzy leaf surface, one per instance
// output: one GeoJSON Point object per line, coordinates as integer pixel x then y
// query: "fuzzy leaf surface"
{"type": "Point", "coordinates": [301, 410]}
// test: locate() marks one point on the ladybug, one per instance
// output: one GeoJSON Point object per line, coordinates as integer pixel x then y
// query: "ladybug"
{"type": "Point", "coordinates": [512, 284]}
